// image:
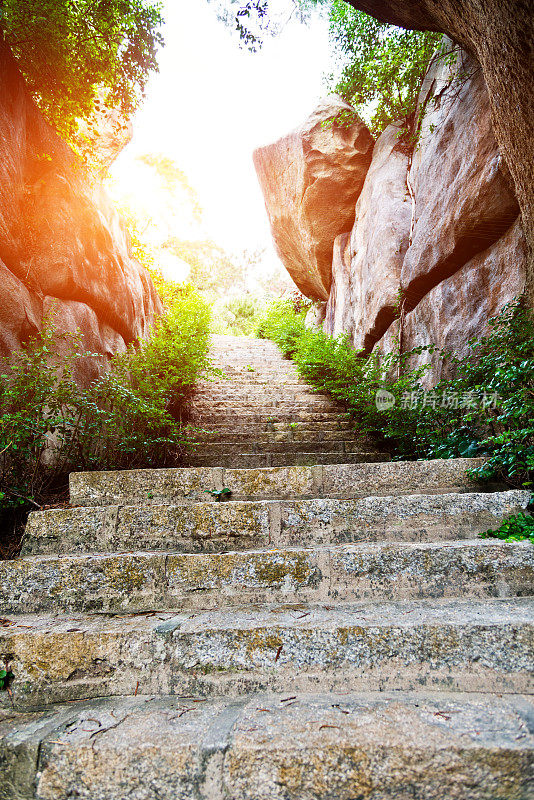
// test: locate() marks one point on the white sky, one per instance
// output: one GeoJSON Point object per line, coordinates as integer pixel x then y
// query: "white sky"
{"type": "Point", "coordinates": [211, 104]}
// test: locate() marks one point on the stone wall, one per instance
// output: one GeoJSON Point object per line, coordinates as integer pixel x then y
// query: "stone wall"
{"type": "Point", "coordinates": [63, 247]}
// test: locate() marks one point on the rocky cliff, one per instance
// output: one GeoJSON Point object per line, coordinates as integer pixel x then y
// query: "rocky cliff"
{"type": "Point", "coordinates": [500, 34]}
{"type": "Point", "coordinates": [63, 248]}
{"type": "Point", "coordinates": [436, 246]}
{"type": "Point", "coordinates": [311, 180]}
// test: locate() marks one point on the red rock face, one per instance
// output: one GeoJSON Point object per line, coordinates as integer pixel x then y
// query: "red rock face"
{"type": "Point", "coordinates": [339, 316]}
{"type": "Point", "coordinates": [463, 201]}
{"type": "Point", "coordinates": [311, 180]}
{"type": "Point", "coordinates": [379, 240]}
{"type": "Point", "coordinates": [500, 33]}
{"type": "Point", "coordinates": [458, 308]}
{"type": "Point", "coordinates": [436, 233]}
{"type": "Point", "coordinates": [59, 235]}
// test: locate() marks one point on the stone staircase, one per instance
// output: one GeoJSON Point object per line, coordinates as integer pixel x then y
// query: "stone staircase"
{"type": "Point", "coordinates": [333, 630]}
{"type": "Point", "coordinates": [263, 415]}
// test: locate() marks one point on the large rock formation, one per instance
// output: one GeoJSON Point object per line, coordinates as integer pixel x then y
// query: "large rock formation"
{"type": "Point", "coordinates": [377, 244]}
{"type": "Point", "coordinates": [60, 238]}
{"type": "Point", "coordinates": [311, 180]}
{"type": "Point", "coordinates": [501, 34]}
{"type": "Point", "coordinates": [437, 239]}
{"type": "Point", "coordinates": [463, 201]}
{"type": "Point", "coordinates": [458, 308]}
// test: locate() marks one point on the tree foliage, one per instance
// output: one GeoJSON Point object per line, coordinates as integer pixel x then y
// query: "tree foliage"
{"type": "Point", "coordinates": [67, 49]}
{"type": "Point", "coordinates": [380, 67]}
{"type": "Point", "coordinates": [173, 178]}
{"type": "Point", "coordinates": [212, 270]}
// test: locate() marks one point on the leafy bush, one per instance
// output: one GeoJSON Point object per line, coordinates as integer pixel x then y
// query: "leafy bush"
{"type": "Point", "coordinates": [515, 529]}
{"type": "Point", "coordinates": [283, 322]}
{"type": "Point", "coordinates": [132, 416]}
{"type": "Point", "coordinates": [66, 51]}
{"type": "Point", "coordinates": [492, 408]}
{"type": "Point", "coordinates": [237, 316]}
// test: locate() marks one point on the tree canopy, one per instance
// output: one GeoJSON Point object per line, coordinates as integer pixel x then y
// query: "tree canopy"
{"type": "Point", "coordinates": [380, 67]}
{"type": "Point", "coordinates": [68, 49]}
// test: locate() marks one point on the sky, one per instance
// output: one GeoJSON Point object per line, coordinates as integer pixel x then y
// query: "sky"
{"type": "Point", "coordinates": [208, 108]}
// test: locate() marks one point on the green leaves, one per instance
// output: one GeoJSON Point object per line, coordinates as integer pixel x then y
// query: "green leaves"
{"type": "Point", "coordinates": [6, 676]}
{"type": "Point", "coordinates": [129, 417]}
{"type": "Point", "coordinates": [380, 67]}
{"type": "Point", "coordinates": [515, 529]}
{"type": "Point", "coordinates": [219, 494]}
{"type": "Point", "coordinates": [499, 365]}
{"type": "Point", "coordinates": [67, 50]}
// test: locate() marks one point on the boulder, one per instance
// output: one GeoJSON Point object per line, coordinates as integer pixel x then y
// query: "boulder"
{"type": "Point", "coordinates": [500, 34]}
{"type": "Point", "coordinates": [104, 135]}
{"type": "Point", "coordinates": [339, 316]}
{"type": "Point", "coordinates": [315, 317]}
{"type": "Point", "coordinates": [458, 308]}
{"type": "Point", "coordinates": [424, 224]}
{"type": "Point", "coordinates": [59, 233]}
{"type": "Point", "coordinates": [463, 201]}
{"type": "Point", "coordinates": [74, 320]}
{"type": "Point", "coordinates": [379, 240]}
{"type": "Point", "coordinates": [311, 180]}
{"type": "Point", "coordinates": [21, 312]}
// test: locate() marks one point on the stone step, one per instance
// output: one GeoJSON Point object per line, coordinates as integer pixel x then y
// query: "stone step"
{"type": "Point", "coordinates": [219, 527]}
{"type": "Point", "coordinates": [317, 445]}
{"type": "Point", "coordinates": [448, 645]}
{"type": "Point", "coordinates": [240, 378]}
{"type": "Point", "coordinates": [186, 485]}
{"type": "Point", "coordinates": [263, 429]}
{"type": "Point", "coordinates": [231, 393]}
{"type": "Point", "coordinates": [296, 434]}
{"type": "Point", "coordinates": [383, 745]}
{"type": "Point", "coordinates": [285, 459]}
{"type": "Point", "coordinates": [144, 581]}
{"type": "Point", "coordinates": [270, 407]}
{"type": "Point", "coordinates": [239, 419]}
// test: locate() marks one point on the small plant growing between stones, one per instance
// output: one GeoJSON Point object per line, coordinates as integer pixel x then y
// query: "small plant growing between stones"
{"type": "Point", "coordinates": [219, 494]}
{"type": "Point", "coordinates": [6, 677]}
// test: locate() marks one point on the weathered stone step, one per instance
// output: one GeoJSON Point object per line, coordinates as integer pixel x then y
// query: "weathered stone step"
{"type": "Point", "coordinates": [384, 745]}
{"type": "Point", "coordinates": [451, 645]}
{"type": "Point", "coordinates": [285, 459]}
{"type": "Point", "coordinates": [216, 527]}
{"type": "Point", "coordinates": [143, 581]}
{"type": "Point", "coordinates": [271, 407]}
{"type": "Point", "coordinates": [265, 445]}
{"type": "Point", "coordinates": [260, 394]}
{"type": "Point", "coordinates": [238, 418]}
{"type": "Point", "coordinates": [301, 435]}
{"type": "Point", "coordinates": [192, 484]}
{"type": "Point", "coordinates": [255, 430]}
{"type": "Point", "coordinates": [256, 377]}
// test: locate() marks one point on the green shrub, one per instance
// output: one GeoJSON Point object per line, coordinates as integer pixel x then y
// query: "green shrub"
{"type": "Point", "coordinates": [237, 316]}
{"type": "Point", "coordinates": [492, 391]}
{"type": "Point", "coordinates": [283, 322]}
{"type": "Point", "coordinates": [518, 528]}
{"type": "Point", "coordinates": [132, 416]}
